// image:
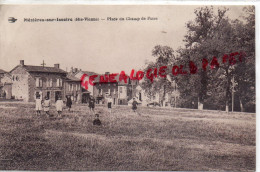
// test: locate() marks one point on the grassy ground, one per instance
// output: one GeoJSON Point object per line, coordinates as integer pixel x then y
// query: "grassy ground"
{"type": "Point", "coordinates": [158, 139]}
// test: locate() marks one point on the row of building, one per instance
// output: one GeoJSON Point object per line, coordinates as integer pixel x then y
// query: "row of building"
{"type": "Point", "coordinates": [24, 81]}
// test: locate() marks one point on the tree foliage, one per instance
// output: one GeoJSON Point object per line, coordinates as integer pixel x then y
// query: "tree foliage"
{"type": "Point", "coordinates": [231, 43]}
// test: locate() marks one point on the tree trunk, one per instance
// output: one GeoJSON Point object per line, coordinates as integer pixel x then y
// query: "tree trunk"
{"type": "Point", "coordinates": [227, 108]}
{"type": "Point", "coordinates": [227, 91]}
{"type": "Point", "coordinates": [200, 104]}
{"type": "Point", "coordinates": [163, 99]}
{"type": "Point", "coordinates": [241, 105]}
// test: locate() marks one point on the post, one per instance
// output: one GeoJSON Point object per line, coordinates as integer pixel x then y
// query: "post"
{"type": "Point", "coordinates": [175, 95]}
{"type": "Point", "coordinates": [233, 85]}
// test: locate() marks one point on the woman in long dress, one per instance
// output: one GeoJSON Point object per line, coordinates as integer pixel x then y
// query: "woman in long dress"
{"type": "Point", "coordinates": [59, 106]}
{"type": "Point", "coordinates": [46, 105]}
{"type": "Point", "coordinates": [38, 104]}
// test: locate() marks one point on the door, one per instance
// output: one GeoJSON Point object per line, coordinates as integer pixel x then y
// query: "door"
{"type": "Point", "coordinates": [85, 97]}
{"type": "Point", "coordinates": [57, 95]}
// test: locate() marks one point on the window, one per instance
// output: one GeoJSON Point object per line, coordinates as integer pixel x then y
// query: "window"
{"type": "Point", "coordinates": [17, 78]}
{"type": "Point", "coordinates": [49, 82]}
{"type": "Point", "coordinates": [100, 91]}
{"type": "Point", "coordinates": [13, 77]}
{"type": "Point", "coordinates": [38, 82]}
{"type": "Point", "coordinates": [37, 94]}
{"type": "Point", "coordinates": [120, 89]}
{"type": "Point", "coordinates": [59, 82]}
{"type": "Point", "coordinates": [76, 87]}
{"type": "Point", "coordinates": [109, 91]}
{"type": "Point", "coordinates": [48, 94]}
{"type": "Point", "coordinates": [114, 91]}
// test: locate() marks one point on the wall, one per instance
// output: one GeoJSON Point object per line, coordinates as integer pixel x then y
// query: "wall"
{"type": "Point", "coordinates": [8, 90]}
{"type": "Point", "coordinates": [76, 94]}
{"type": "Point", "coordinates": [44, 89]}
{"type": "Point", "coordinates": [105, 89]}
{"type": "Point", "coordinates": [20, 87]}
{"type": "Point", "coordinates": [90, 87]}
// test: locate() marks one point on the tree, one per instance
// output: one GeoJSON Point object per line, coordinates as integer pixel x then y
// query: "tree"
{"type": "Point", "coordinates": [164, 57]}
{"type": "Point", "coordinates": [201, 32]}
{"type": "Point", "coordinates": [215, 36]}
{"type": "Point", "coordinates": [245, 72]}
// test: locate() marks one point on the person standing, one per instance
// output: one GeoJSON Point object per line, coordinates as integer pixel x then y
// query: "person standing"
{"type": "Point", "coordinates": [46, 105]}
{"type": "Point", "coordinates": [59, 106]}
{"type": "Point", "coordinates": [134, 105]}
{"type": "Point", "coordinates": [69, 102]}
{"type": "Point", "coordinates": [38, 104]}
{"type": "Point", "coordinates": [109, 104]}
{"type": "Point", "coordinates": [92, 104]}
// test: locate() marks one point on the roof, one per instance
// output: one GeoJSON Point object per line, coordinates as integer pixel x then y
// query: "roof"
{"type": "Point", "coordinates": [122, 82]}
{"type": "Point", "coordinates": [2, 71]}
{"type": "Point", "coordinates": [89, 73]}
{"type": "Point", "coordinates": [72, 78]}
{"type": "Point", "coordinates": [42, 69]}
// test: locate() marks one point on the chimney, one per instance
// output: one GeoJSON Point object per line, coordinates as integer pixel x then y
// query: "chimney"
{"type": "Point", "coordinates": [75, 70]}
{"type": "Point", "coordinates": [57, 66]}
{"type": "Point", "coordinates": [106, 73]}
{"type": "Point", "coordinates": [22, 62]}
{"type": "Point", "coordinates": [71, 70]}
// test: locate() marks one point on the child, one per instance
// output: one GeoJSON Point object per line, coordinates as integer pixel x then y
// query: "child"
{"type": "Point", "coordinates": [134, 105]}
{"type": "Point", "coordinates": [92, 104]}
{"type": "Point", "coordinates": [109, 104]}
{"type": "Point", "coordinates": [38, 104]}
{"type": "Point", "coordinates": [59, 106]}
{"type": "Point", "coordinates": [97, 121]}
{"type": "Point", "coordinates": [46, 105]}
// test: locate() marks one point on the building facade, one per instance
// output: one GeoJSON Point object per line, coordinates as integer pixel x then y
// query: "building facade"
{"type": "Point", "coordinates": [73, 88]}
{"type": "Point", "coordinates": [28, 80]}
{"type": "Point", "coordinates": [85, 93]}
{"type": "Point", "coordinates": [119, 91]}
{"type": "Point", "coordinates": [5, 85]}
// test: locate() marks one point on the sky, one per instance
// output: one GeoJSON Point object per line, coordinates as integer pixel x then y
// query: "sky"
{"type": "Point", "coordinates": [98, 46]}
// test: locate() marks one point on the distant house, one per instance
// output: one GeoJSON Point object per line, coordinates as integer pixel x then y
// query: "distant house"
{"type": "Point", "coordinates": [120, 91]}
{"type": "Point", "coordinates": [2, 72]}
{"type": "Point", "coordinates": [5, 85]}
{"type": "Point", "coordinates": [73, 88]}
{"type": "Point", "coordinates": [27, 80]}
{"type": "Point", "coordinates": [85, 94]}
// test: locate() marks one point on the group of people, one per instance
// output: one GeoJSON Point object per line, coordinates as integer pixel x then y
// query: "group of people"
{"type": "Point", "coordinates": [46, 103]}
{"type": "Point", "coordinates": [109, 104]}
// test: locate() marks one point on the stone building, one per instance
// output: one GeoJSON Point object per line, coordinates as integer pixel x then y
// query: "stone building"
{"type": "Point", "coordinates": [5, 85]}
{"type": "Point", "coordinates": [120, 91]}
{"type": "Point", "coordinates": [73, 88]}
{"type": "Point", "coordinates": [27, 80]}
{"type": "Point", "coordinates": [85, 93]}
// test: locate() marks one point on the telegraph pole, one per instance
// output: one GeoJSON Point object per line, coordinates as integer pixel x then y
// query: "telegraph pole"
{"type": "Point", "coordinates": [233, 85]}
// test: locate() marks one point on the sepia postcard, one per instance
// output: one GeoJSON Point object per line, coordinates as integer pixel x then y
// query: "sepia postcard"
{"type": "Point", "coordinates": [127, 87]}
